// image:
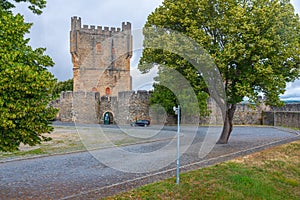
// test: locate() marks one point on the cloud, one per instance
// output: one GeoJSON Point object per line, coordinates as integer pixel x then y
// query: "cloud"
{"type": "Point", "coordinates": [51, 29]}
{"type": "Point", "coordinates": [296, 4]}
{"type": "Point", "coordinates": [143, 81]}
{"type": "Point", "coordinates": [292, 91]}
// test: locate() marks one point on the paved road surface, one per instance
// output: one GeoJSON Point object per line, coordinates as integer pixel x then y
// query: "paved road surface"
{"type": "Point", "coordinates": [82, 176]}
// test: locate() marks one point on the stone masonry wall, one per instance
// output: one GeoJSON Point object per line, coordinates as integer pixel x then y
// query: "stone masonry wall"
{"type": "Point", "coordinates": [66, 107]}
{"type": "Point", "coordinates": [101, 57]}
{"type": "Point", "coordinates": [129, 106]}
{"type": "Point", "coordinates": [245, 114]}
{"type": "Point", "coordinates": [86, 106]}
{"type": "Point", "coordinates": [108, 104]}
{"type": "Point", "coordinates": [139, 105]}
{"type": "Point", "coordinates": [248, 114]}
{"type": "Point", "coordinates": [288, 115]}
{"type": "Point", "coordinates": [123, 108]}
{"type": "Point", "coordinates": [79, 107]}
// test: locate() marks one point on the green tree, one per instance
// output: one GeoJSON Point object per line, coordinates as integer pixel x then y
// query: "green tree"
{"type": "Point", "coordinates": [35, 6]}
{"type": "Point", "coordinates": [25, 83]}
{"type": "Point", "coordinates": [172, 89]}
{"type": "Point", "coordinates": [62, 86]}
{"type": "Point", "coordinates": [253, 43]}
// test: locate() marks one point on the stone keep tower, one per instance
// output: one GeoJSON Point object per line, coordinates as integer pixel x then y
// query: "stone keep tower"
{"type": "Point", "coordinates": [101, 58]}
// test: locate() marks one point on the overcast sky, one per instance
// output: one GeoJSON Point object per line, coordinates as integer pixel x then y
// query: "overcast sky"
{"type": "Point", "coordinates": [51, 30]}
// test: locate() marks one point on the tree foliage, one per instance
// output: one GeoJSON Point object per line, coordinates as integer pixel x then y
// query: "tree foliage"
{"type": "Point", "coordinates": [176, 74]}
{"type": "Point", "coordinates": [62, 86]}
{"type": "Point", "coordinates": [35, 6]}
{"type": "Point", "coordinates": [25, 83]}
{"type": "Point", "coordinates": [254, 44]}
{"type": "Point", "coordinates": [173, 89]}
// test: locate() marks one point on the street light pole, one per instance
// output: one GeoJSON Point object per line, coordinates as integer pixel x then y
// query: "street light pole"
{"type": "Point", "coordinates": [177, 110]}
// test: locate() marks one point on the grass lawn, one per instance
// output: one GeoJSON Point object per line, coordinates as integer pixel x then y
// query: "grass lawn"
{"type": "Point", "coordinates": [270, 174]}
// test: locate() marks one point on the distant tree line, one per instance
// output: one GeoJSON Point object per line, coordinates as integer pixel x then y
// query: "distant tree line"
{"type": "Point", "coordinates": [62, 86]}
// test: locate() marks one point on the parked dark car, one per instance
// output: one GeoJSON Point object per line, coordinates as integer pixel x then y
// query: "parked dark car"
{"type": "Point", "coordinates": [141, 122]}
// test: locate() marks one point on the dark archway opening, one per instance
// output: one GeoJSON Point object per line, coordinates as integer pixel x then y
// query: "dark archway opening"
{"type": "Point", "coordinates": [108, 118]}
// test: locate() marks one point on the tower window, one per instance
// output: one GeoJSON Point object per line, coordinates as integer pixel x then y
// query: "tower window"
{"type": "Point", "coordinates": [98, 47]}
{"type": "Point", "coordinates": [107, 91]}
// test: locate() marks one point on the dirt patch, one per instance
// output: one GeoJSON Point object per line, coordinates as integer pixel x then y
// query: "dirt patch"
{"type": "Point", "coordinates": [284, 153]}
{"type": "Point", "coordinates": [64, 140]}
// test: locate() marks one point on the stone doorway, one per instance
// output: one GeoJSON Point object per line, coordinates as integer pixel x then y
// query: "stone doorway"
{"type": "Point", "coordinates": [108, 118]}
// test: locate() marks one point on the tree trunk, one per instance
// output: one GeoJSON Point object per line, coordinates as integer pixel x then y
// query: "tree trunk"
{"type": "Point", "coordinates": [227, 128]}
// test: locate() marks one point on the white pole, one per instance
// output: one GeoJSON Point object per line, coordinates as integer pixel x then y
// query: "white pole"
{"type": "Point", "coordinates": [274, 118]}
{"type": "Point", "coordinates": [178, 145]}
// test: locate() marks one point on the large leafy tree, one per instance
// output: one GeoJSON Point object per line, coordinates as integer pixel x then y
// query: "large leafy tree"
{"type": "Point", "coordinates": [25, 82]}
{"type": "Point", "coordinates": [253, 43]}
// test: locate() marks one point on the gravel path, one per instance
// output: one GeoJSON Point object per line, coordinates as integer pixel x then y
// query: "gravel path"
{"type": "Point", "coordinates": [82, 176]}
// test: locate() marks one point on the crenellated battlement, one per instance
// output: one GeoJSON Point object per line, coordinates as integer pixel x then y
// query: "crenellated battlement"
{"type": "Point", "coordinates": [75, 23]}
{"type": "Point", "coordinates": [99, 29]}
{"type": "Point", "coordinates": [140, 94]}
{"type": "Point", "coordinates": [76, 26]}
{"type": "Point", "coordinates": [126, 26]}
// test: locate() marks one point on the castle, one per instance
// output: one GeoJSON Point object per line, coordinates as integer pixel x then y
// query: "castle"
{"type": "Point", "coordinates": [103, 93]}
{"type": "Point", "coordinates": [101, 58]}
{"type": "Point", "coordinates": [102, 83]}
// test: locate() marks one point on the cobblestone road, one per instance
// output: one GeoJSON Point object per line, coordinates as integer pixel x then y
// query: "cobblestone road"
{"type": "Point", "coordinates": [82, 176]}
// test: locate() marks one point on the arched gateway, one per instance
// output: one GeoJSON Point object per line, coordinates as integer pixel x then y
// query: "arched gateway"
{"type": "Point", "coordinates": [108, 118]}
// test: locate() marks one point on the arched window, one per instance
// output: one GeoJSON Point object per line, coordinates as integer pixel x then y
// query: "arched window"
{"type": "Point", "coordinates": [98, 47]}
{"type": "Point", "coordinates": [107, 91]}
{"type": "Point", "coordinates": [94, 89]}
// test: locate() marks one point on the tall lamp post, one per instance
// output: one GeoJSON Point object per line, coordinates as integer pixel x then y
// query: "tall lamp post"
{"type": "Point", "coordinates": [177, 112]}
